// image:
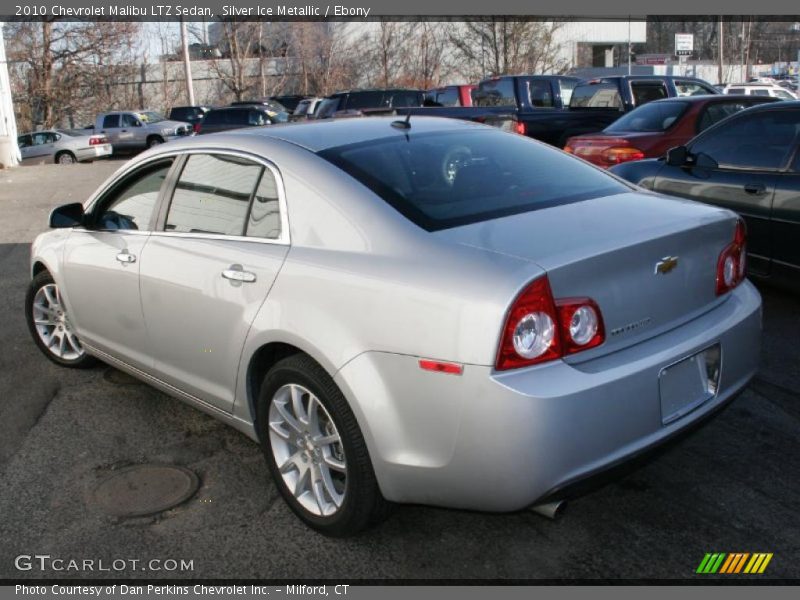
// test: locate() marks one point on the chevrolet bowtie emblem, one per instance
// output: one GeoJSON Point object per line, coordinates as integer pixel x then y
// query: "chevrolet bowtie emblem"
{"type": "Point", "coordinates": [666, 264]}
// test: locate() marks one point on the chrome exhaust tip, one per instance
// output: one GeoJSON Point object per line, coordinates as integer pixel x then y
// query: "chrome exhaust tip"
{"type": "Point", "coordinates": [551, 510]}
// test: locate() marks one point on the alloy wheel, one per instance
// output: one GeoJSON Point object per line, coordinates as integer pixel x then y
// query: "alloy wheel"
{"type": "Point", "coordinates": [53, 326]}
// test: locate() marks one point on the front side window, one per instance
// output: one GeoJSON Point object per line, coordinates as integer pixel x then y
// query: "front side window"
{"type": "Point", "coordinates": [212, 195]}
{"type": "Point", "coordinates": [692, 88]}
{"type": "Point", "coordinates": [596, 95]}
{"type": "Point", "coordinates": [717, 111]}
{"type": "Point", "coordinates": [358, 100]}
{"type": "Point", "coordinates": [129, 121]}
{"type": "Point", "coordinates": [131, 204]}
{"type": "Point", "coordinates": [440, 180]}
{"type": "Point", "coordinates": [495, 92]}
{"type": "Point", "coordinates": [647, 91]}
{"type": "Point", "coordinates": [756, 141]}
{"type": "Point", "coordinates": [541, 95]}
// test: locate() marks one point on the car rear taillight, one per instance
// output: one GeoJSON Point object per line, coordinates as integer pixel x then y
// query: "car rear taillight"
{"type": "Point", "coordinates": [539, 328]}
{"type": "Point", "coordinates": [732, 262]}
{"type": "Point", "coordinates": [196, 127]}
{"type": "Point", "coordinates": [519, 127]}
{"type": "Point", "coordinates": [96, 140]}
{"type": "Point", "coordinates": [621, 154]}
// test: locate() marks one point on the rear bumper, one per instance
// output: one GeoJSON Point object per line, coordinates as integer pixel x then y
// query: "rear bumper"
{"type": "Point", "coordinates": [503, 441]}
{"type": "Point", "coordinates": [94, 152]}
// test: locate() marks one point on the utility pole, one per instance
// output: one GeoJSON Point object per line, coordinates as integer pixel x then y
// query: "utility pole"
{"type": "Point", "coordinates": [630, 46]}
{"type": "Point", "coordinates": [721, 60]}
{"type": "Point", "coordinates": [187, 64]}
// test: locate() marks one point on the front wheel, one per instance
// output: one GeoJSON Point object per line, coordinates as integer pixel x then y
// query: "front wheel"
{"type": "Point", "coordinates": [315, 450]}
{"type": "Point", "coordinates": [50, 325]}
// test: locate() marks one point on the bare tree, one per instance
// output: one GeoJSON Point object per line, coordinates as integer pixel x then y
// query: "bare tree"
{"type": "Point", "coordinates": [326, 56]}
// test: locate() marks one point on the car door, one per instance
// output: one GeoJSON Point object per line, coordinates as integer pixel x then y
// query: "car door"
{"type": "Point", "coordinates": [133, 133]}
{"type": "Point", "coordinates": [112, 130]}
{"type": "Point", "coordinates": [25, 144]}
{"type": "Point", "coordinates": [41, 147]}
{"type": "Point", "coordinates": [209, 268]}
{"type": "Point", "coordinates": [786, 215]}
{"type": "Point", "coordinates": [101, 265]}
{"type": "Point", "coordinates": [736, 164]}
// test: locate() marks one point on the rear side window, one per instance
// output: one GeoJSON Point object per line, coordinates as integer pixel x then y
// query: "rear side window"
{"type": "Point", "coordinates": [495, 92]}
{"type": "Point", "coordinates": [596, 95]}
{"type": "Point", "coordinates": [111, 121]}
{"type": "Point", "coordinates": [656, 116]}
{"type": "Point", "coordinates": [445, 97]}
{"type": "Point", "coordinates": [327, 107]}
{"type": "Point", "coordinates": [215, 117]}
{"type": "Point", "coordinates": [715, 112]}
{"type": "Point", "coordinates": [736, 91]}
{"type": "Point", "coordinates": [541, 95]}
{"type": "Point", "coordinates": [406, 99]}
{"type": "Point", "coordinates": [264, 220]}
{"type": "Point", "coordinates": [212, 195]}
{"type": "Point", "coordinates": [359, 100]}
{"type": "Point", "coordinates": [692, 88]}
{"type": "Point", "coordinates": [647, 91]}
{"type": "Point", "coordinates": [760, 92]}
{"type": "Point", "coordinates": [440, 180]}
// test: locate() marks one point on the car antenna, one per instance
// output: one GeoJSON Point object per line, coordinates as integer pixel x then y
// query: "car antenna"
{"type": "Point", "coordinates": [403, 124]}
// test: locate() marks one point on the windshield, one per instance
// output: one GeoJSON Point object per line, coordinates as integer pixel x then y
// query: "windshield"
{"type": "Point", "coordinates": [150, 117]}
{"type": "Point", "coordinates": [654, 116]}
{"type": "Point", "coordinates": [440, 180]}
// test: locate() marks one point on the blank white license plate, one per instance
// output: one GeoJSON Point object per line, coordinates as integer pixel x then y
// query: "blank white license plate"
{"type": "Point", "coordinates": [685, 385]}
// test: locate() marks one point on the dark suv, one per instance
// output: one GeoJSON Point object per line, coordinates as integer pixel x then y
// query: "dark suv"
{"type": "Point", "coordinates": [188, 114]}
{"type": "Point", "coordinates": [359, 100]}
{"type": "Point", "coordinates": [235, 117]}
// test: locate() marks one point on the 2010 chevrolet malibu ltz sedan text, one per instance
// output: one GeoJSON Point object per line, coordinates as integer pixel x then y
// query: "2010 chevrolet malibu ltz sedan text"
{"type": "Point", "coordinates": [430, 311]}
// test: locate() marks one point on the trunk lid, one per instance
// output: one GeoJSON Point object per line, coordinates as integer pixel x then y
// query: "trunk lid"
{"type": "Point", "coordinates": [608, 249]}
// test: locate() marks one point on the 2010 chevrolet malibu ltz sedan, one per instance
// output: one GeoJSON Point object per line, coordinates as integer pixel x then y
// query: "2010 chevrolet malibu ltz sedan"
{"type": "Point", "coordinates": [425, 311]}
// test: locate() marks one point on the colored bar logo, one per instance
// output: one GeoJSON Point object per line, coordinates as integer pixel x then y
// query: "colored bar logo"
{"type": "Point", "coordinates": [734, 563]}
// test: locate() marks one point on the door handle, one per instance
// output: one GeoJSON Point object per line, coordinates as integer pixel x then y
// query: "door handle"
{"type": "Point", "coordinates": [126, 257]}
{"type": "Point", "coordinates": [238, 274]}
{"type": "Point", "coordinates": [756, 189]}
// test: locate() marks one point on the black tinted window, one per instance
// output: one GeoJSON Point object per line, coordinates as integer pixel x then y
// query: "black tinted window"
{"type": "Point", "coordinates": [692, 88]}
{"type": "Point", "coordinates": [111, 121]}
{"type": "Point", "coordinates": [647, 91]}
{"type": "Point", "coordinates": [358, 100]}
{"type": "Point", "coordinates": [406, 99]}
{"type": "Point", "coordinates": [445, 97]}
{"type": "Point", "coordinates": [596, 95]}
{"type": "Point", "coordinates": [541, 95]}
{"type": "Point", "coordinates": [713, 113]}
{"type": "Point", "coordinates": [265, 217]}
{"type": "Point", "coordinates": [657, 116]}
{"type": "Point", "coordinates": [212, 195]}
{"type": "Point", "coordinates": [327, 107]}
{"type": "Point", "coordinates": [441, 180]}
{"type": "Point", "coordinates": [129, 121]}
{"type": "Point", "coordinates": [496, 92]}
{"type": "Point", "coordinates": [756, 141]}
{"type": "Point", "coordinates": [131, 205]}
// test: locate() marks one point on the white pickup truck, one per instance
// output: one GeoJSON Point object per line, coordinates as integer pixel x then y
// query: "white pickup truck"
{"type": "Point", "coordinates": [138, 129]}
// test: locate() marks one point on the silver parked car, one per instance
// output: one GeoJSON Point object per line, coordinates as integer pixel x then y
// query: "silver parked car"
{"type": "Point", "coordinates": [62, 146]}
{"type": "Point", "coordinates": [431, 311]}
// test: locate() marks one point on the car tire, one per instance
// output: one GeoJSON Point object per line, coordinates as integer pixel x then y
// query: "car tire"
{"type": "Point", "coordinates": [334, 501]}
{"type": "Point", "coordinates": [65, 158]}
{"type": "Point", "coordinates": [49, 324]}
{"type": "Point", "coordinates": [154, 140]}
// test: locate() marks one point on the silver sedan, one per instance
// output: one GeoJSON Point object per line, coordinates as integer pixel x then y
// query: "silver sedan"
{"type": "Point", "coordinates": [62, 146]}
{"type": "Point", "coordinates": [429, 312]}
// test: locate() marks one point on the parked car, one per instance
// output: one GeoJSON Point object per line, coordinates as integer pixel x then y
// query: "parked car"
{"type": "Point", "coordinates": [652, 129]}
{"type": "Point", "coordinates": [554, 108]}
{"type": "Point", "coordinates": [560, 323]}
{"type": "Point", "coordinates": [760, 89]}
{"type": "Point", "coordinates": [62, 146]}
{"type": "Point", "coordinates": [189, 114]}
{"type": "Point", "coordinates": [135, 130]}
{"type": "Point", "coordinates": [236, 117]}
{"type": "Point", "coordinates": [748, 163]}
{"type": "Point", "coordinates": [278, 113]}
{"type": "Point", "coordinates": [306, 109]}
{"type": "Point", "coordinates": [450, 95]}
{"type": "Point", "coordinates": [360, 100]}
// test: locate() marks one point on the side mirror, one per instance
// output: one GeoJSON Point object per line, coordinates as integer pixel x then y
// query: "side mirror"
{"type": "Point", "coordinates": [676, 157]}
{"type": "Point", "coordinates": [137, 123]}
{"type": "Point", "coordinates": [67, 215]}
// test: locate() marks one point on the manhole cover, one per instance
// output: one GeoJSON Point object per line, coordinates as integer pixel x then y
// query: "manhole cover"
{"type": "Point", "coordinates": [143, 490]}
{"type": "Point", "coordinates": [116, 377]}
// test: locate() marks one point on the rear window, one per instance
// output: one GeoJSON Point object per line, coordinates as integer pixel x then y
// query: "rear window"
{"type": "Point", "coordinates": [656, 116]}
{"type": "Point", "coordinates": [596, 95]}
{"type": "Point", "coordinates": [496, 92]}
{"type": "Point", "coordinates": [441, 180]}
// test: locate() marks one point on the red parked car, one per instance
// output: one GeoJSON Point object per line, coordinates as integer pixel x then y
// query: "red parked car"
{"type": "Point", "coordinates": [653, 128]}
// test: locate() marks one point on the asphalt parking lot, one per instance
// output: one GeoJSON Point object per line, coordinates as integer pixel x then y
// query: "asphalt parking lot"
{"type": "Point", "coordinates": [733, 486]}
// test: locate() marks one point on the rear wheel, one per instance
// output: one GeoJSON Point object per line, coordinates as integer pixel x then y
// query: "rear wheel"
{"type": "Point", "coordinates": [50, 326]}
{"type": "Point", "coordinates": [154, 140]}
{"type": "Point", "coordinates": [65, 158]}
{"type": "Point", "coordinates": [315, 450]}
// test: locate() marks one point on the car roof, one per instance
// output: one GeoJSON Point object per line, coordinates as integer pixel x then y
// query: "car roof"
{"type": "Point", "coordinates": [318, 135]}
{"type": "Point", "coordinates": [714, 98]}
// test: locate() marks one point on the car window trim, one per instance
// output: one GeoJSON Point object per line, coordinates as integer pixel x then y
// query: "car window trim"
{"type": "Point", "coordinates": [166, 199]}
